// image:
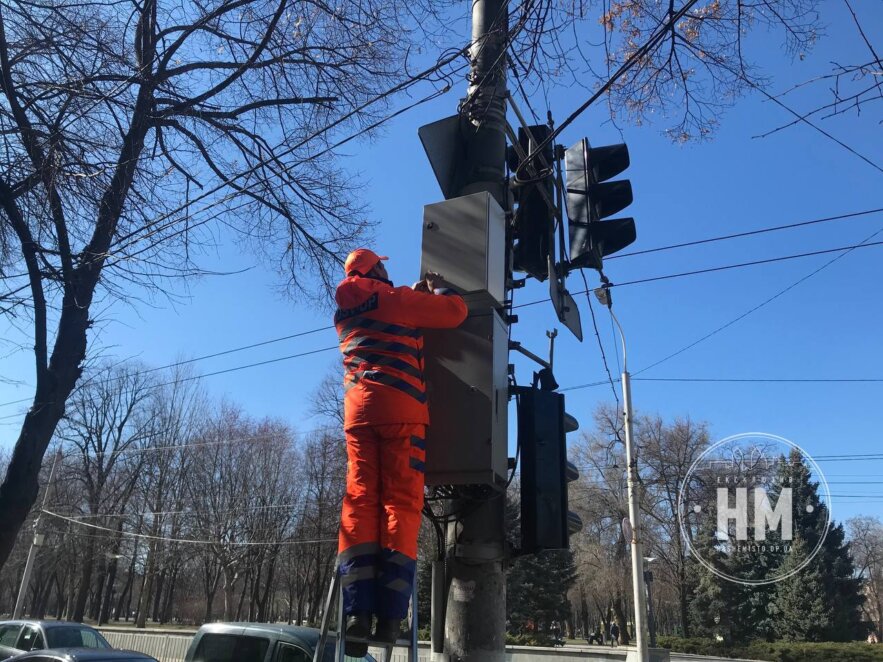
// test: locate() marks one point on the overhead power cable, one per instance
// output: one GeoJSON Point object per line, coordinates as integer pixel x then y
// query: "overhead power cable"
{"type": "Point", "coordinates": [762, 304]}
{"type": "Point", "coordinates": [755, 380]}
{"type": "Point", "coordinates": [226, 370]}
{"type": "Point", "coordinates": [800, 118]}
{"type": "Point", "coordinates": [743, 380]}
{"type": "Point", "coordinates": [749, 233]}
{"type": "Point", "coordinates": [600, 344]}
{"type": "Point", "coordinates": [130, 534]}
{"type": "Point", "coordinates": [662, 32]}
{"type": "Point", "coordinates": [843, 250]}
{"type": "Point", "coordinates": [423, 75]}
{"type": "Point", "coordinates": [725, 267]}
{"type": "Point", "coordinates": [752, 263]}
{"type": "Point", "coordinates": [649, 250]}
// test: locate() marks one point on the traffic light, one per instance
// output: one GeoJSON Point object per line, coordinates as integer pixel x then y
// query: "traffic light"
{"type": "Point", "coordinates": [546, 522]}
{"type": "Point", "coordinates": [591, 198]}
{"type": "Point", "coordinates": [533, 191]}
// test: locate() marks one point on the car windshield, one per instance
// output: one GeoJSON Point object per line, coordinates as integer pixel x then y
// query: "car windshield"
{"type": "Point", "coordinates": [72, 636]}
{"type": "Point", "coordinates": [231, 648]}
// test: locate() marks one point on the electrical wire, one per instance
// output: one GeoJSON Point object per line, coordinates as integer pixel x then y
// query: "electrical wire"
{"type": "Point", "coordinates": [756, 380]}
{"type": "Point", "coordinates": [190, 541]}
{"type": "Point", "coordinates": [754, 309]}
{"type": "Point", "coordinates": [440, 64]}
{"type": "Point", "coordinates": [726, 267]}
{"type": "Point", "coordinates": [749, 233]}
{"type": "Point", "coordinates": [752, 263]}
{"type": "Point", "coordinates": [661, 33]}
{"type": "Point", "coordinates": [649, 250]}
{"type": "Point", "coordinates": [423, 75]}
{"type": "Point", "coordinates": [737, 380]}
{"type": "Point", "coordinates": [220, 372]}
{"type": "Point", "coordinates": [165, 513]}
{"type": "Point", "coordinates": [192, 225]}
{"type": "Point", "coordinates": [598, 336]}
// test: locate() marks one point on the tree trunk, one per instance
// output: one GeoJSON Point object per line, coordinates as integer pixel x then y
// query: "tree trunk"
{"type": "Point", "coordinates": [20, 487]}
{"type": "Point", "coordinates": [166, 614]}
{"type": "Point", "coordinates": [157, 598]}
{"type": "Point", "coordinates": [95, 605]}
{"type": "Point", "coordinates": [683, 603]}
{"type": "Point", "coordinates": [43, 606]}
{"type": "Point", "coordinates": [621, 620]}
{"type": "Point", "coordinates": [146, 587]}
{"type": "Point", "coordinates": [230, 578]}
{"type": "Point", "coordinates": [243, 593]}
{"type": "Point", "coordinates": [104, 610]}
{"type": "Point", "coordinates": [59, 597]}
{"type": "Point", "coordinates": [300, 608]}
{"type": "Point", "coordinates": [269, 588]}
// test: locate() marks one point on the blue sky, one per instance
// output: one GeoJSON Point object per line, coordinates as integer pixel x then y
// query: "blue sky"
{"type": "Point", "coordinates": [828, 327]}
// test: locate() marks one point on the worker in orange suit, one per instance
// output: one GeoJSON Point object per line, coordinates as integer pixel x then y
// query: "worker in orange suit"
{"type": "Point", "coordinates": [385, 419]}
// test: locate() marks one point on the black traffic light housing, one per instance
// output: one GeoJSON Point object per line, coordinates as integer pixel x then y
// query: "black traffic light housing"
{"type": "Point", "coordinates": [543, 424]}
{"type": "Point", "coordinates": [533, 190]}
{"type": "Point", "coordinates": [591, 198]}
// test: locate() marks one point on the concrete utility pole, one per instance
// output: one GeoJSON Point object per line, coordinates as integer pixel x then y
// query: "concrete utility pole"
{"type": "Point", "coordinates": [35, 545]}
{"type": "Point", "coordinates": [475, 623]}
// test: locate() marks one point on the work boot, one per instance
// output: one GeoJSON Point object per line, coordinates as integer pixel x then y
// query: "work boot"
{"type": "Point", "coordinates": [388, 630]}
{"type": "Point", "coordinates": [358, 626]}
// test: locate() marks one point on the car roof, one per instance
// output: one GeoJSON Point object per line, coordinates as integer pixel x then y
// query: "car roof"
{"type": "Point", "coordinates": [46, 624]}
{"type": "Point", "coordinates": [291, 633]}
{"type": "Point", "coordinates": [104, 654]}
{"type": "Point", "coordinates": [90, 654]}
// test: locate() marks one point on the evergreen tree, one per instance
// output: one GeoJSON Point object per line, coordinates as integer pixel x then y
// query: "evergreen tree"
{"type": "Point", "coordinates": [799, 609]}
{"type": "Point", "coordinates": [843, 588]}
{"type": "Point", "coordinates": [822, 601]}
{"type": "Point", "coordinates": [537, 586]}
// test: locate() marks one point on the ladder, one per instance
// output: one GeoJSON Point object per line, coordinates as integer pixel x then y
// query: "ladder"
{"type": "Point", "coordinates": [409, 641]}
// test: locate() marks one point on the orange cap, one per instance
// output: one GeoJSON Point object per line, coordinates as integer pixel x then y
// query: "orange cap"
{"type": "Point", "coordinates": [362, 260]}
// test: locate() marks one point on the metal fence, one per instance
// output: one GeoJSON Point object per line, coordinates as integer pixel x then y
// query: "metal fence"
{"type": "Point", "coordinates": [171, 646]}
{"type": "Point", "coordinates": [165, 647]}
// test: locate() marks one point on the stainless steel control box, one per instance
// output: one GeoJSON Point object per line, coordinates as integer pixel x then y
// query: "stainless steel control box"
{"type": "Point", "coordinates": [464, 239]}
{"type": "Point", "coordinates": [466, 370]}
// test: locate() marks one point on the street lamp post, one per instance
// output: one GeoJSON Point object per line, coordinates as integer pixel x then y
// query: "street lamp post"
{"type": "Point", "coordinates": [36, 543]}
{"type": "Point", "coordinates": [637, 547]}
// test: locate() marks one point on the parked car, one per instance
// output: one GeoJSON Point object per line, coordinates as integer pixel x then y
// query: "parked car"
{"type": "Point", "coordinates": [258, 642]}
{"type": "Point", "coordinates": [23, 636]}
{"type": "Point", "coordinates": [82, 655]}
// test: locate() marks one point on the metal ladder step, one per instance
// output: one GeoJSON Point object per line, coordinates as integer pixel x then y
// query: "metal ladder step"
{"type": "Point", "coordinates": [335, 593]}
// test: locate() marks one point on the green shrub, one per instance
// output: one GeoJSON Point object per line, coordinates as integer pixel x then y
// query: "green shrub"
{"type": "Point", "coordinates": [526, 639]}
{"type": "Point", "coordinates": [779, 651]}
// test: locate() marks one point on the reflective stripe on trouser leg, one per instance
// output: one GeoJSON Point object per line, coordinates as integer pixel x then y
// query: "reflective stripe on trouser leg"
{"type": "Point", "coordinates": [359, 538]}
{"type": "Point", "coordinates": [402, 458]}
{"type": "Point", "coordinates": [394, 584]}
{"type": "Point", "coordinates": [358, 577]}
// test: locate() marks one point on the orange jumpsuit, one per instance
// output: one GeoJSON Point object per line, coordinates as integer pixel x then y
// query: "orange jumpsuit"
{"type": "Point", "coordinates": [385, 419]}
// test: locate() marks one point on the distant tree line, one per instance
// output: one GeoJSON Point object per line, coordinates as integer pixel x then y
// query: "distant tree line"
{"type": "Point", "coordinates": [168, 507]}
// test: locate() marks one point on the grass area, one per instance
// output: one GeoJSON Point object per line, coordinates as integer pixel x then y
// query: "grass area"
{"type": "Point", "coordinates": [780, 651]}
